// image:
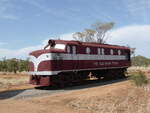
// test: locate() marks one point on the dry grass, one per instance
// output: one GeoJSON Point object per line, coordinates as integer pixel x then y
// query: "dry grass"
{"type": "Point", "coordinates": [11, 81]}
{"type": "Point", "coordinates": [135, 100]}
{"type": "Point", "coordinates": [132, 100]}
{"type": "Point", "coordinates": [145, 70]}
{"type": "Point", "coordinates": [139, 78]}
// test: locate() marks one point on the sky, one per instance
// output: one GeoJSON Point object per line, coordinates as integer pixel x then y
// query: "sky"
{"type": "Point", "coordinates": [26, 25]}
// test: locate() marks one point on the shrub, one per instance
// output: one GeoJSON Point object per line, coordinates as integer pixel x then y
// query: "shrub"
{"type": "Point", "coordinates": [139, 79]}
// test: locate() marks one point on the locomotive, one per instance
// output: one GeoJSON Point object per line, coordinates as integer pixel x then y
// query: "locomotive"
{"type": "Point", "coordinates": [67, 62]}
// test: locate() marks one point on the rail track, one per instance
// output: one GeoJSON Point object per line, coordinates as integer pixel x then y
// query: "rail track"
{"type": "Point", "coordinates": [43, 91]}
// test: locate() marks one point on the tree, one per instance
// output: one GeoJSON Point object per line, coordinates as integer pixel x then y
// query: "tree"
{"type": "Point", "coordinates": [89, 35]}
{"type": "Point", "coordinates": [13, 65]}
{"type": "Point", "coordinates": [96, 34]}
{"type": "Point", "coordinates": [4, 64]}
{"type": "Point", "coordinates": [140, 61]}
{"type": "Point", "coordinates": [23, 65]}
{"type": "Point", "coordinates": [101, 29]}
{"type": "Point", "coordinates": [79, 36]}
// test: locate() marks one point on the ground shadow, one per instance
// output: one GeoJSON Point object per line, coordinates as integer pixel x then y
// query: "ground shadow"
{"type": "Point", "coordinates": [95, 83]}
{"type": "Point", "coordinates": [9, 94]}
{"type": "Point", "coordinates": [83, 85]}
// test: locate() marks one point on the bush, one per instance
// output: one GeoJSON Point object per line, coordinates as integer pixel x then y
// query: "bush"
{"type": "Point", "coordinates": [139, 79]}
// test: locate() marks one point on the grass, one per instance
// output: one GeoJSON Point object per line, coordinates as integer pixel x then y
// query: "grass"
{"type": "Point", "coordinates": [9, 80]}
{"type": "Point", "coordinates": [139, 78]}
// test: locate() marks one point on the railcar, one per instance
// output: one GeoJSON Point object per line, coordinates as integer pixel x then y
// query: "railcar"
{"type": "Point", "coordinates": [73, 61]}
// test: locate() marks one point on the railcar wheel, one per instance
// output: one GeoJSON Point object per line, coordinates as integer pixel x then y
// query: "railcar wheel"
{"type": "Point", "coordinates": [70, 79]}
{"type": "Point", "coordinates": [58, 80]}
{"type": "Point", "coordinates": [122, 73]}
{"type": "Point", "coordinates": [61, 83]}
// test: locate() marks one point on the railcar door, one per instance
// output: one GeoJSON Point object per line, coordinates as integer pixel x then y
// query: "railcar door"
{"type": "Point", "coordinates": [73, 57]}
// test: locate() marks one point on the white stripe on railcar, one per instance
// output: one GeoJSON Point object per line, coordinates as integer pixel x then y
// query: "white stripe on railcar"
{"type": "Point", "coordinates": [49, 73]}
{"type": "Point", "coordinates": [62, 56]}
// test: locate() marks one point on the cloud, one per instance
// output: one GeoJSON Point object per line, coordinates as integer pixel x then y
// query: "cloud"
{"type": "Point", "coordinates": [2, 43]}
{"type": "Point", "coordinates": [138, 8]}
{"type": "Point", "coordinates": [9, 17]}
{"type": "Point", "coordinates": [23, 52]}
{"type": "Point", "coordinates": [42, 7]}
{"type": "Point", "coordinates": [67, 13]}
{"type": "Point", "coordinates": [20, 53]}
{"type": "Point", "coordinates": [136, 36]}
{"type": "Point", "coordinates": [67, 36]}
{"type": "Point", "coordinates": [6, 6]}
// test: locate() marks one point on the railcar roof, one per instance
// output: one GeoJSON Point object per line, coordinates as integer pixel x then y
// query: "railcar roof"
{"type": "Point", "coordinates": [93, 44]}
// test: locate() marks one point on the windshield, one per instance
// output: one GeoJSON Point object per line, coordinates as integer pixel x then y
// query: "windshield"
{"type": "Point", "coordinates": [59, 46]}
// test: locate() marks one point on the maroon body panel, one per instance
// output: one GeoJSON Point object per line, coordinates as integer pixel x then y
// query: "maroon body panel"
{"type": "Point", "coordinates": [40, 80]}
{"type": "Point", "coordinates": [54, 65]}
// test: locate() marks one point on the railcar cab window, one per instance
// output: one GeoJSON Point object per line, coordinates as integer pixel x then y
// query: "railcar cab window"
{"type": "Point", "coordinates": [59, 46]}
{"type": "Point", "coordinates": [88, 50]}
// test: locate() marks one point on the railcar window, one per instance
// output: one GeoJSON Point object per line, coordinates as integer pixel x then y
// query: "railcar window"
{"type": "Point", "coordinates": [88, 50]}
{"type": "Point", "coordinates": [103, 51]}
{"type": "Point", "coordinates": [119, 52]}
{"type": "Point", "coordinates": [111, 51]}
{"type": "Point", "coordinates": [68, 49]}
{"type": "Point", "coordinates": [60, 46]}
{"type": "Point", "coordinates": [99, 51]}
{"type": "Point", "coordinates": [74, 49]}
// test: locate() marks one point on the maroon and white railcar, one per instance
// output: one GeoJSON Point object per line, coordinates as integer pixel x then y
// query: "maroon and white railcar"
{"type": "Point", "coordinates": [70, 61]}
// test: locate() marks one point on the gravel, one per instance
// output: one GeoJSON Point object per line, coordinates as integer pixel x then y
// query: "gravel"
{"type": "Point", "coordinates": [28, 93]}
{"type": "Point", "coordinates": [37, 92]}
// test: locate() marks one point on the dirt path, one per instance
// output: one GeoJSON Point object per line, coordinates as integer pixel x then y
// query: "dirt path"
{"type": "Point", "coordinates": [42, 91]}
{"type": "Point", "coordinates": [119, 97]}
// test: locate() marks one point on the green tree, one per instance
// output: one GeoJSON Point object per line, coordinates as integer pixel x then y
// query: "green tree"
{"type": "Point", "coordinates": [140, 61]}
{"type": "Point", "coordinates": [13, 65]}
{"type": "Point", "coordinates": [4, 65]}
{"type": "Point", "coordinates": [23, 65]}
